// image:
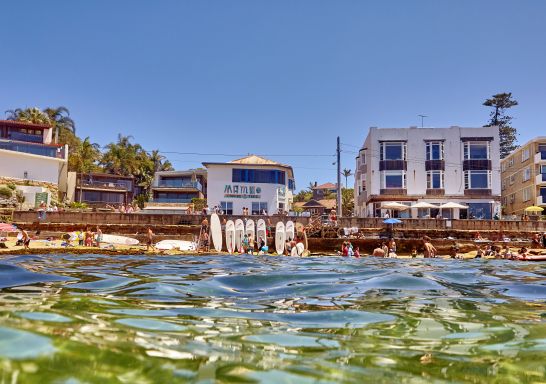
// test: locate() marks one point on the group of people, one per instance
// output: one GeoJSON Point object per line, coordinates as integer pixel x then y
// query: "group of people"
{"type": "Point", "coordinates": [124, 208]}
{"type": "Point", "coordinates": [87, 238]}
{"type": "Point", "coordinates": [249, 246]}
{"type": "Point", "coordinates": [347, 250]}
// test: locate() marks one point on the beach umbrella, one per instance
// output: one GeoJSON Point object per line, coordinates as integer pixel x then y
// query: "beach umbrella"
{"type": "Point", "coordinates": [423, 204]}
{"type": "Point", "coordinates": [395, 206]}
{"type": "Point", "coordinates": [5, 227]}
{"type": "Point", "coordinates": [534, 208]}
{"type": "Point", "coordinates": [392, 221]}
{"type": "Point", "coordinates": [452, 206]}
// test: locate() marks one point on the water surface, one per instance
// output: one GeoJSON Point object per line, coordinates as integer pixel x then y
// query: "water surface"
{"type": "Point", "coordinates": [138, 319]}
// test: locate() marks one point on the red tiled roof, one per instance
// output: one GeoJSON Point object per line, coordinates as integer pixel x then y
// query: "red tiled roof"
{"type": "Point", "coordinates": [325, 186]}
{"type": "Point", "coordinates": [14, 123]}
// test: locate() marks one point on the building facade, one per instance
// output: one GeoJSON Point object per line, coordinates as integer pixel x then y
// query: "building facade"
{"type": "Point", "coordinates": [29, 157]}
{"type": "Point", "coordinates": [523, 177]}
{"type": "Point", "coordinates": [433, 165]}
{"type": "Point", "coordinates": [253, 182]}
{"type": "Point", "coordinates": [101, 189]}
{"type": "Point", "coordinates": [323, 190]}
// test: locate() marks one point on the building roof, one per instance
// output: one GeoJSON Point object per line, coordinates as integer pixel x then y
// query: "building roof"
{"type": "Point", "coordinates": [109, 175]}
{"type": "Point", "coordinates": [23, 124]}
{"type": "Point", "coordinates": [325, 186]}
{"type": "Point", "coordinates": [252, 160]}
{"type": "Point", "coordinates": [187, 172]}
{"type": "Point", "coordinates": [322, 203]}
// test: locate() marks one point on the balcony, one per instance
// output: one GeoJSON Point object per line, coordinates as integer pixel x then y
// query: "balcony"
{"type": "Point", "coordinates": [26, 137]}
{"type": "Point", "coordinates": [477, 165]}
{"type": "Point", "coordinates": [179, 184]}
{"type": "Point", "coordinates": [541, 200]}
{"type": "Point", "coordinates": [540, 157]}
{"type": "Point", "coordinates": [93, 184]}
{"type": "Point", "coordinates": [171, 200]}
{"type": "Point", "coordinates": [540, 178]}
{"type": "Point", "coordinates": [34, 149]}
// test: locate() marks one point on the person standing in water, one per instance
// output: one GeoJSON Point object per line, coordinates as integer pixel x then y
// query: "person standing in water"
{"type": "Point", "coordinates": [429, 251]}
{"type": "Point", "coordinates": [149, 240]}
{"type": "Point", "coordinates": [25, 239]}
{"type": "Point", "coordinates": [99, 236]}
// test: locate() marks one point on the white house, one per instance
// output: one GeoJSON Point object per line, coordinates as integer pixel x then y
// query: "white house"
{"type": "Point", "coordinates": [433, 165]}
{"type": "Point", "coordinates": [253, 182]}
{"type": "Point", "coordinates": [29, 159]}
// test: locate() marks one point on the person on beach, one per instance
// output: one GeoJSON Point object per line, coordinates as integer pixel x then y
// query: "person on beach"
{"type": "Point", "coordinates": [149, 239]}
{"type": "Point", "coordinates": [523, 253]}
{"type": "Point", "coordinates": [287, 247]}
{"type": "Point", "coordinates": [357, 252]}
{"type": "Point", "coordinates": [262, 247]}
{"type": "Point", "coordinates": [99, 236]}
{"type": "Point", "coordinates": [245, 243]}
{"type": "Point", "coordinates": [479, 252]}
{"type": "Point", "coordinates": [414, 252]}
{"type": "Point", "coordinates": [429, 251]}
{"type": "Point", "coordinates": [88, 238]}
{"type": "Point", "coordinates": [391, 245]}
{"type": "Point", "coordinates": [544, 240]}
{"type": "Point", "coordinates": [251, 245]}
{"type": "Point", "coordinates": [80, 237]}
{"type": "Point", "coordinates": [204, 225]}
{"type": "Point", "coordinates": [25, 238]}
{"type": "Point", "coordinates": [536, 241]}
{"type": "Point", "coordinates": [385, 249]}
{"type": "Point", "coordinates": [506, 252]}
{"type": "Point", "coordinates": [379, 251]}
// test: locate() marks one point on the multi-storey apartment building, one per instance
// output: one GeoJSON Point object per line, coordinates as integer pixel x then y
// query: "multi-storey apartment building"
{"type": "Point", "coordinates": [101, 189]}
{"type": "Point", "coordinates": [523, 177]}
{"type": "Point", "coordinates": [433, 165]}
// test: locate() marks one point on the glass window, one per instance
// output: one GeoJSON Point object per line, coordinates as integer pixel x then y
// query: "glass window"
{"type": "Point", "coordinates": [259, 207]}
{"type": "Point", "coordinates": [525, 155]}
{"type": "Point", "coordinates": [476, 150]}
{"type": "Point", "coordinates": [527, 194]}
{"type": "Point", "coordinates": [527, 174]}
{"type": "Point", "coordinates": [543, 194]}
{"type": "Point", "coordinates": [435, 180]}
{"type": "Point", "coordinates": [435, 150]}
{"type": "Point", "coordinates": [227, 207]}
{"type": "Point", "coordinates": [479, 211]}
{"type": "Point", "coordinates": [392, 151]}
{"type": "Point", "coordinates": [393, 179]}
{"type": "Point", "coordinates": [265, 176]}
{"type": "Point", "coordinates": [542, 150]}
{"type": "Point", "coordinates": [477, 179]}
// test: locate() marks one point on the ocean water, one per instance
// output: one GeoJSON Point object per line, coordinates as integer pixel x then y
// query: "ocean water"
{"type": "Point", "coordinates": [247, 319]}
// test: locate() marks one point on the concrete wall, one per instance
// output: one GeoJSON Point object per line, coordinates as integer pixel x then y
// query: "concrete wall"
{"type": "Point", "coordinates": [40, 168]}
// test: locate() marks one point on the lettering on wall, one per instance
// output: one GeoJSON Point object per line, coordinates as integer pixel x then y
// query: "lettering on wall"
{"type": "Point", "coordinates": [238, 191]}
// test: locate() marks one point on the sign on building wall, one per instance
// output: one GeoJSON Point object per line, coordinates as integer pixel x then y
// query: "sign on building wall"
{"type": "Point", "coordinates": [39, 197]}
{"type": "Point", "coordinates": [242, 191]}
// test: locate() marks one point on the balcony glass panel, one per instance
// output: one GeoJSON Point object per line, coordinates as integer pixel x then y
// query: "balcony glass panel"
{"type": "Point", "coordinates": [171, 200]}
{"type": "Point", "coordinates": [179, 183]}
{"type": "Point", "coordinates": [26, 137]}
{"type": "Point", "coordinates": [35, 149]}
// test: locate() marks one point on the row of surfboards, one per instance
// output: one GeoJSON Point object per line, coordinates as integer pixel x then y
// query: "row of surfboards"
{"type": "Point", "coordinates": [235, 232]}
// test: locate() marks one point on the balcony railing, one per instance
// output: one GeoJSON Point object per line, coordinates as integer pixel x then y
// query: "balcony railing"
{"type": "Point", "coordinates": [540, 178]}
{"type": "Point", "coordinates": [179, 184]}
{"type": "Point", "coordinates": [26, 137]}
{"type": "Point", "coordinates": [35, 149]}
{"type": "Point", "coordinates": [540, 156]}
{"type": "Point", "coordinates": [103, 185]}
{"type": "Point", "coordinates": [171, 200]}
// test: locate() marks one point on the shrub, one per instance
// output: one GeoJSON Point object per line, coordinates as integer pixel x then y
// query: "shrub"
{"type": "Point", "coordinates": [11, 186]}
{"type": "Point", "coordinates": [78, 205]}
{"type": "Point", "coordinates": [5, 192]}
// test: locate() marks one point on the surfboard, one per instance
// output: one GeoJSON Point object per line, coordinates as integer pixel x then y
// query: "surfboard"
{"type": "Point", "coordinates": [230, 236]}
{"type": "Point", "coordinates": [300, 249]}
{"type": "Point", "coordinates": [294, 251]}
{"type": "Point", "coordinates": [261, 231]}
{"type": "Point", "coordinates": [289, 230]}
{"type": "Point", "coordinates": [251, 229]}
{"type": "Point", "coordinates": [120, 240]}
{"type": "Point", "coordinates": [239, 234]}
{"type": "Point", "coordinates": [279, 238]}
{"type": "Point", "coordinates": [182, 245]}
{"type": "Point", "coordinates": [216, 232]}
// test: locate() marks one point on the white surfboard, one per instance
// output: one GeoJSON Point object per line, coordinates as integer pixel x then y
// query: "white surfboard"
{"type": "Point", "coordinates": [300, 249]}
{"type": "Point", "coordinates": [289, 231]}
{"type": "Point", "coordinates": [239, 234]}
{"type": "Point", "coordinates": [182, 245]}
{"type": "Point", "coordinates": [216, 232]}
{"type": "Point", "coordinates": [261, 231]}
{"type": "Point", "coordinates": [120, 240]}
{"type": "Point", "coordinates": [279, 238]}
{"type": "Point", "coordinates": [230, 236]}
{"type": "Point", "coordinates": [251, 229]}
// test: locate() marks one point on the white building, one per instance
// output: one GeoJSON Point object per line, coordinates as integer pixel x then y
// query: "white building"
{"type": "Point", "coordinates": [434, 165]}
{"type": "Point", "coordinates": [29, 159]}
{"type": "Point", "coordinates": [253, 182]}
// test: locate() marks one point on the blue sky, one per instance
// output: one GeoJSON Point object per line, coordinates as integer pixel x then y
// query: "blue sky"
{"type": "Point", "coordinates": [272, 77]}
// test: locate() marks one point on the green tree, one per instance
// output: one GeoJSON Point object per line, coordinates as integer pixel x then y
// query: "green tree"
{"type": "Point", "coordinates": [347, 201]}
{"type": "Point", "coordinates": [303, 196]}
{"type": "Point", "coordinates": [61, 121]}
{"type": "Point", "coordinates": [346, 173]}
{"type": "Point", "coordinates": [160, 162]}
{"type": "Point", "coordinates": [29, 115]}
{"type": "Point", "coordinates": [84, 158]}
{"type": "Point", "coordinates": [498, 117]}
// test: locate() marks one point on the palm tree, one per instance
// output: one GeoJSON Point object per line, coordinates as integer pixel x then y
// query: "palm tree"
{"type": "Point", "coordinates": [346, 172]}
{"type": "Point", "coordinates": [84, 158]}
{"type": "Point", "coordinates": [60, 119]}
{"type": "Point", "coordinates": [160, 162]}
{"type": "Point", "coordinates": [29, 115]}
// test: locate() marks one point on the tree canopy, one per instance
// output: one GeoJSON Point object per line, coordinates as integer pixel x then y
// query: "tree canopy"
{"type": "Point", "coordinates": [498, 117]}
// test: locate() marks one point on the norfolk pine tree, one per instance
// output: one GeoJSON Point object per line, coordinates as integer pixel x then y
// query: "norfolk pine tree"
{"type": "Point", "coordinates": [507, 134]}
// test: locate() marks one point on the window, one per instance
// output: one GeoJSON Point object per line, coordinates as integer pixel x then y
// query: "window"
{"type": "Point", "coordinates": [258, 176]}
{"type": "Point", "coordinates": [291, 184]}
{"type": "Point", "coordinates": [526, 194]}
{"type": "Point", "coordinates": [258, 208]}
{"type": "Point", "coordinates": [504, 201]}
{"type": "Point", "coordinates": [527, 174]}
{"type": "Point", "coordinates": [504, 166]}
{"type": "Point", "coordinates": [477, 179]}
{"type": "Point", "coordinates": [363, 158]}
{"type": "Point", "coordinates": [511, 162]}
{"type": "Point", "coordinates": [480, 211]}
{"type": "Point", "coordinates": [543, 194]}
{"type": "Point", "coordinates": [543, 169]}
{"type": "Point", "coordinates": [512, 198]}
{"type": "Point", "coordinates": [512, 178]}
{"type": "Point", "coordinates": [435, 150]}
{"type": "Point", "coordinates": [504, 183]}
{"type": "Point", "coordinates": [542, 151]}
{"type": "Point", "coordinates": [393, 179]}
{"type": "Point", "coordinates": [476, 150]}
{"type": "Point", "coordinates": [435, 179]}
{"type": "Point", "coordinates": [227, 207]}
{"type": "Point", "coordinates": [525, 155]}
{"type": "Point", "coordinates": [392, 150]}
{"type": "Point", "coordinates": [363, 182]}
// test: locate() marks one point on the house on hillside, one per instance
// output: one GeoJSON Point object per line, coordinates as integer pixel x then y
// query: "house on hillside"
{"type": "Point", "coordinates": [320, 191]}
{"type": "Point", "coordinates": [317, 207]}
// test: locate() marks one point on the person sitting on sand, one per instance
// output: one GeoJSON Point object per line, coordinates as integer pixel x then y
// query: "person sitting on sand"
{"type": "Point", "coordinates": [429, 251]}
{"type": "Point", "coordinates": [478, 236]}
{"type": "Point", "coordinates": [506, 252]}
{"type": "Point", "coordinates": [25, 239]}
{"type": "Point", "coordinates": [523, 253]}
{"type": "Point", "coordinates": [535, 241]}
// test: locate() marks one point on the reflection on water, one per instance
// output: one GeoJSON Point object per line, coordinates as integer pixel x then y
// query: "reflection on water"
{"type": "Point", "coordinates": [129, 319]}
